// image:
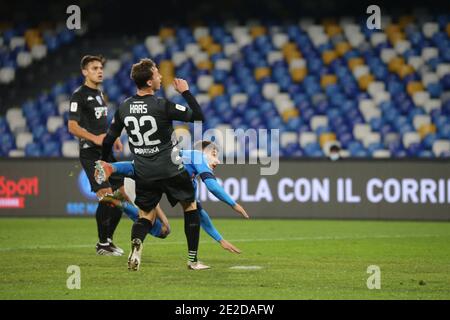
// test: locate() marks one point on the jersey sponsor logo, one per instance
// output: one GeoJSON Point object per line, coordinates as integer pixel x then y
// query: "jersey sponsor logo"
{"type": "Point", "coordinates": [101, 111]}
{"type": "Point", "coordinates": [99, 99]}
{"type": "Point", "coordinates": [90, 98]}
{"type": "Point", "coordinates": [73, 107]}
{"type": "Point", "coordinates": [138, 108]}
{"type": "Point", "coordinates": [180, 107]}
{"type": "Point", "coordinates": [144, 151]}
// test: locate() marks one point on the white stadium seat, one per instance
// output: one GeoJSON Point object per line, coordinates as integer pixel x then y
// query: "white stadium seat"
{"type": "Point", "coordinates": [317, 121]}
{"type": "Point", "coordinates": [238, 98]}
{"type": "Point", "coordinates": [410, 137]}
{"type": "Point", "coordinates": [70, 149]}
{"type": "Point", "coordinates": [279, 40]}
{"type": "Point", "coordinates": [360, 130]}
{"type": "Point", "coordinates": [23, 139]}
{"type": "Point", "coordinates": [306, 138]}
{"type": "Point", "coordinates": [382, 153]}
{"type": "Point", "coordinates": [429, 29]}
{"type": "Point", "coordinates": [288, 137]}
{"type": "Point", "coordinates": [7, 75]}
{"type": "Point", "coordinates": [270, 90]}
{"type": "Point", "coordinates": [416, 62]}
{"type": "Point", "coordinates": [274, 56]}
{"type": "Point", "coordinates": [204, 82]}
{"type": "Point", "coordinates": [421, 119]}
{"type": "Point", "coordinates": [39, 51]}
{"type": "Point", "coordinates": [373, 137]}
{"type": "Point", "coordinates": [420, 98]}
{"type": "Point", "coordinates": [24, 59]}
{"type": "Point", "coordinates": [54, 122]}
{"type": "Point", "coordinates": [429, 53]}
{"type": "Point", "coordinates": [16, 153]}
{"type": "Point", "coordinates": [440, 146]}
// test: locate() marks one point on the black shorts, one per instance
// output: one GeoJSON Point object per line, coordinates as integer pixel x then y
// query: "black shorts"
{"type": "Point", "coordinates": [87, 159]}
{"type": "Point", "coordinates": [177, 188]}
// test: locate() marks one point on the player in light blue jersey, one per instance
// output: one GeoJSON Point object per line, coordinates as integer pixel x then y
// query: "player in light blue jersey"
{"type": "Point", "coordinates": [198, 164]}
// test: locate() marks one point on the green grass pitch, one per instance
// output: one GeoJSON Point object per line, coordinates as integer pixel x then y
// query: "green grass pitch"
{"type": "Point", "coordinates": [299, 259]}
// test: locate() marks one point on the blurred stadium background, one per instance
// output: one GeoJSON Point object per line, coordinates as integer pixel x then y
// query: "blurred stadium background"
{"type": "Point", "coordinates": [307, 69]}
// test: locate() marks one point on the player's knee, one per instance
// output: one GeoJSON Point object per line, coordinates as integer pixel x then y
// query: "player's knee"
{"type": "Point", "coordinates": [189, 206]}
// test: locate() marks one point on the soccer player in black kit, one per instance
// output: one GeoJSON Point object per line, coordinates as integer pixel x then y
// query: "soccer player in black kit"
{"type": "Point", "coordinates": [148, 122]}
{"type": "Point", "coordinates": [88, 121]}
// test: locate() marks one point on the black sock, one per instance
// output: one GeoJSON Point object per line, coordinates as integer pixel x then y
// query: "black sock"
{"type": "Point", "coordinates": [140, 229]}
{"type": "Point", "coordinates": [192, 232]}
{"type": "Point", "coordinates": [101, 215]}
{"type": "Point", "coordinates": [115, 214]}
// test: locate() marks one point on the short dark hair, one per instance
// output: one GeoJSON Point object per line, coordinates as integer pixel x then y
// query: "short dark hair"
{"type": "Point", "coordinates": [142, 72]}
{"type": "Point", "coordinates": [203, 144]}
{"type": "Point", "coordinates": [335, 148]}
{"type": "Point", "coordinates": [89, 58]}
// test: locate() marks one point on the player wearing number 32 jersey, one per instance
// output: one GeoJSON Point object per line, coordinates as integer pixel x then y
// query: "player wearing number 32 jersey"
{"type": "Point", "coordinates": [148, 122]}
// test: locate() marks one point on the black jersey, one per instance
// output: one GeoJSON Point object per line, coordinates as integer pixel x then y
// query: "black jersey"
{"type": "Point", "coordinates": [88, 108]}
{"type": "Point", "coordinates": [148, 122]}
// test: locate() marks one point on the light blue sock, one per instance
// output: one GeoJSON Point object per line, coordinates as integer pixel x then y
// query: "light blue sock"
{"type": "Point", "coordinates": [125, 168]}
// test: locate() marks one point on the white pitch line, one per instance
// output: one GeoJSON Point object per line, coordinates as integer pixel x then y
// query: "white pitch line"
{"type": "Point", "coordinates": [163, 242]}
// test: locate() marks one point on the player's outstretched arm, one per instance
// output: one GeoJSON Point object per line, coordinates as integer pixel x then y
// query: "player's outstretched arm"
{"type": "Point", "coordinates": [215, 188]}
{"type": "Point", "coordinates": [208, 226]}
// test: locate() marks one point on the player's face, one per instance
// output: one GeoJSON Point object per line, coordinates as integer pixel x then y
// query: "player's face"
{"type": "Point", "coordinates": [212, 156]}
{"type": "Point", "coordinates": [157, 77]}
{"type": "Point", "coordinates": [94, 72]}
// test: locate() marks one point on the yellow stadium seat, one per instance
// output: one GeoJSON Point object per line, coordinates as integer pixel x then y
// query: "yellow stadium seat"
{"type": "Point", "coordinates": [447, 29]}
{"type": "Point", "coordinates": [216, 90]}
{"type": "Point", "coordinates": [205, 42]}
{"type": "Point", "coordinates": [261, 73]}
{"type": "Point", "coordinates": [299, 74]}
{"type": "Point", "coordinates": [31, 42]}
{"type": "Point", "coordinates": [332, 30]}
{"type": "Point", "coordinates": [396, 37]}
{"type": "Point", "coordinates": [426, 129]}
{"type": "Point", "coordinates": [326, 137]}
{"type": "Point", "coordinates": [289, 114]}
{"type": "Point", "coordinates": [166, 67]}
{"type": "Point", "coordinates": [326, 22]}
{"type": "Point", "coordinates": [257, 31]}
{"type": "Point", "coordinates": [289, 47]}
{"type": "Point", "coordinates": [405, 70]}
{"type": "Point", "coordinates": [205, 65]}
{"type": "Point", "coordinates": [328, 79]}
{"type": "Point", "coordinates": [292, 55]}
{"type": "Point", "coordinates": [392, 28]}
{"type": "Point", "coordinates": [328, 56]}
{"type": "Point", "coordinates": [354, 62]}
{"type": "Point", "coordinates": [165, 33]}
{"type": "Point", "coordinates": [405, 20]}
{"type": "Point", "coordinates": [342, 48]}
{"type": "Point", "coordinates": [214, 48]}
{"type": "Point", "coordinates": [395, 64]}
{"type": "Point", "coordinates": [413, 87]}
{"type": "Point", "coordinates": [365, 80]}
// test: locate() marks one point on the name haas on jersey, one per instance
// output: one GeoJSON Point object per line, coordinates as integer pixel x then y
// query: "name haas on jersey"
{"type": "Point", "coordinates": [138, 108]}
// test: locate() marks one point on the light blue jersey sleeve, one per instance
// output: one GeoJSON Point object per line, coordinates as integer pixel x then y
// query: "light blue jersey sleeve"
{"type": "Point", "coordinates": [207, 225]}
